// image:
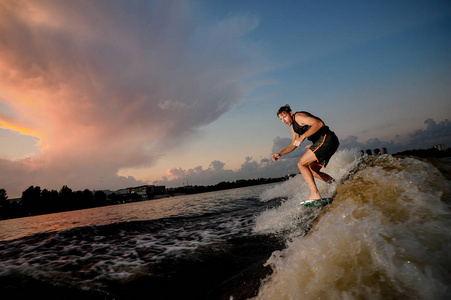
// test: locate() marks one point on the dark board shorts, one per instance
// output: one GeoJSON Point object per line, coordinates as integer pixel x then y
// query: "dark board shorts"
{"type": "Point", "coordinates": [324, 148]}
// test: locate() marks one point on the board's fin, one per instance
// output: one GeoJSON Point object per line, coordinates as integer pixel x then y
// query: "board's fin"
{"type": "Point", "coordinates": [317, 203]}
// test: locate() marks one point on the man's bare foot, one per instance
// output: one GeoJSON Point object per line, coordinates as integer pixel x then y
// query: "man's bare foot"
{"type": "Point", "coordinates": [315, 197]}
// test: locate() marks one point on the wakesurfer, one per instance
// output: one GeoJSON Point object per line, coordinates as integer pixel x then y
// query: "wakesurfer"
{"type": "Point", "coordinates": [304, 125]}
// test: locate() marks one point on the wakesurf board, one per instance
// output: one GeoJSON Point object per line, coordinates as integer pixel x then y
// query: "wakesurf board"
{"type": "Point", "coordinates": [316, 203]}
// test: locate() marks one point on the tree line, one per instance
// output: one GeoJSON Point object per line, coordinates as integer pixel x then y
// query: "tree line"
{"type": "Point", "coordinates": [35, 201]}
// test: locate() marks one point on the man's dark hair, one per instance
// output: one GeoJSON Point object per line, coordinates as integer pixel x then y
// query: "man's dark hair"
{"type": "Point", "coordinates": [286, 108]}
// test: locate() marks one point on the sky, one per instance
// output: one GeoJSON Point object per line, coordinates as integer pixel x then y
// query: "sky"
{"type": "Point", "coordinates": [113, 94]}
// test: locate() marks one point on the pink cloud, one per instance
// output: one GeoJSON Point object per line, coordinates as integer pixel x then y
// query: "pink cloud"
{"type": "Point", "coordinates": [112, 85]}
{"type": "Point", "coordinates": [177, 172]}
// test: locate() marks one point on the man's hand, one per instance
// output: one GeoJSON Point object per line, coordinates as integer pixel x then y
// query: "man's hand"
{"type": "Point", "coordinates": [275, 157]}
{"type": "Point", "coordinates": [297, 142]}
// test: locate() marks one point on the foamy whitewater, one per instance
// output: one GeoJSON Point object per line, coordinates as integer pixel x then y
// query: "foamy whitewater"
{"type": "Point", "coordinates": [386, 235]}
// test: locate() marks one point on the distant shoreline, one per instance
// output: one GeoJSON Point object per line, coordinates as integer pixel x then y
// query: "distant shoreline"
{"type": "Point", "coordinates": [426, 153]}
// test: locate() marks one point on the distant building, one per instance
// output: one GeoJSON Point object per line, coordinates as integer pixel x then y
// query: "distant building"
{"type": "Point", "coordinates": [384, 150]}
{"type": "Point", "coordinates": [160, 189]}
{"type": "Point", "coordinates": [145, 192]}
{"type": "Point", "coordinates": [141, 191]}
{"type": "Point", "coordinates": [122, 192]}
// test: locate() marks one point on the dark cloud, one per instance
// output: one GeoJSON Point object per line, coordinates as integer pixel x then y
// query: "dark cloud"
{"type": "Point", "coordinates": [432, 135]}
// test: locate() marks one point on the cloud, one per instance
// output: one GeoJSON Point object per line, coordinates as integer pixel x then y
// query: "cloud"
{"type": "Point", "coordinates": [433, 134]}
{"type": "Point", "coordinates": [107, 85]}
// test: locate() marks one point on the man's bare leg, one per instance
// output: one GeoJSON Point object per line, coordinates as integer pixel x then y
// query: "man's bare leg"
{"type": "Point", "coordinates": [320, 175]}
{"type": "Point", "coordinates": [307, 174]}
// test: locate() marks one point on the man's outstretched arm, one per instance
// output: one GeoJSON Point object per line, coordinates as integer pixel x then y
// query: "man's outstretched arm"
{"type": "Point", "coordinates": [288, 149]}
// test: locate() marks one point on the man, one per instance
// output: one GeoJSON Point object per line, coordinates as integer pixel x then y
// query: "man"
{"type": "Point", "coordinates": [306, 126]}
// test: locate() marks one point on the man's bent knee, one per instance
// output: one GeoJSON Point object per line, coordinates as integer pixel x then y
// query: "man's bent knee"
{"type": "Point", "coordinates": [302, 164]}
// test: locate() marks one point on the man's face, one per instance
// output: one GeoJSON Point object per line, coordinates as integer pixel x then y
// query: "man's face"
{"type": "Point", "coordinates": [287, 118]}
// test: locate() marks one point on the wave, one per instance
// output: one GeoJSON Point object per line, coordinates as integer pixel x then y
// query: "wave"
{"type": "Point", "coordinates": [386, 234]}
{"type": "Point", "coordinates": [290, 217]}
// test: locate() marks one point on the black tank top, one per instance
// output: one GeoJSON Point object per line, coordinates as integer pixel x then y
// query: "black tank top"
{"type": "Point", "coordinates": [303, 129]}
